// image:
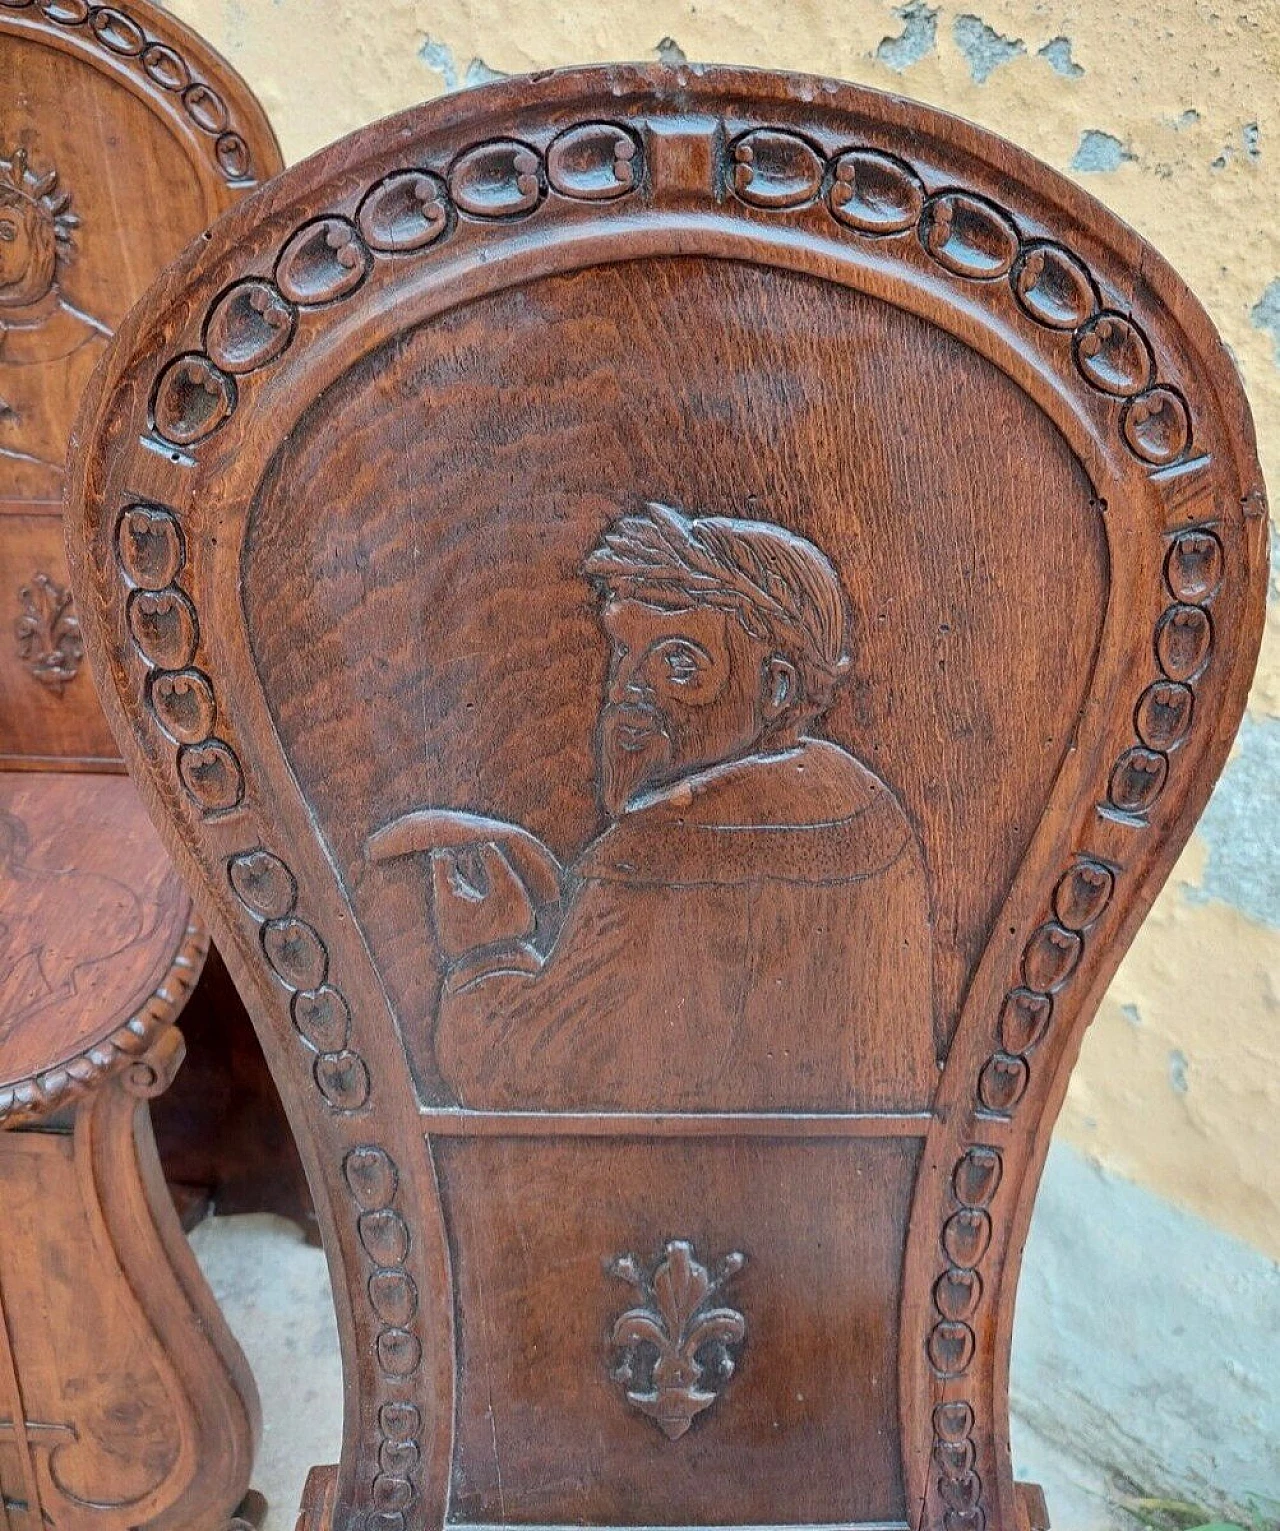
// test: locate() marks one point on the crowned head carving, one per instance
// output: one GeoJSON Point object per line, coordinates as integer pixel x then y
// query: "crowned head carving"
{"type": "Point", "coordinates": [728, 638]}
{"type": "Point", "coordinates": [36, 226]}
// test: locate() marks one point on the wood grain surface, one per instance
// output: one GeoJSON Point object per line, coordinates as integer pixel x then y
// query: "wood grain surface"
{"type": "Point", "coordinates": [98, 940]}
{"type": "Point", "coordinates": [124, 1400]}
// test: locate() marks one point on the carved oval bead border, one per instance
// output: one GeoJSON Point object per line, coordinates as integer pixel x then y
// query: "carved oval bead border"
{"type": "Point", "coordinates": [253, 323]}
{"type": "Point", "coordinates": [385, 1238]}
{"type": "Point", "coordinates": [879, 195]}
{"type": "Point", "coordinates": [1192, 573]}
{"type": "Point", "coordinates": [957, 1295]}
{"type": "Point", "coordinates": [865, 190]}
{"type": "Point", "coordinates": [151, 554]}
{"type": "Point", "coordinates": [267, 890]}
{"type": "Point", "coordinates": [27, 1100]}
{"type": "Point", "coordinates": [117, 33]}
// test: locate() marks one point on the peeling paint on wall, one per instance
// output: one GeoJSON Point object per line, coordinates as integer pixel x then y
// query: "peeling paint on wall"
{"type": "Point", "coordinates": [1248, 146]}
{"type": "Point", "coordinates": [917, 39]}
{"type": "Point", "coordinates": [1251, 136]}
{"type": "Point", "coordinates": [1241, 826]}
{"type": "Point", "coordinates": [1098, 151]}
{"type": "Point", "coordinates": [984, 47]}
{"type": "Point", "coordinates": [1057, 54]}
{"type": "Point", "coordinates": [439, 56]}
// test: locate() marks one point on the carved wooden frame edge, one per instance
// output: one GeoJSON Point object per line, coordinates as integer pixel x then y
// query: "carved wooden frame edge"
{"type": "Point", "coordinates": [35, 1096]}
{"type": "Point", "coordinates": [136, 1232]}
{"type": "Point", "coordinates": [168, 66]}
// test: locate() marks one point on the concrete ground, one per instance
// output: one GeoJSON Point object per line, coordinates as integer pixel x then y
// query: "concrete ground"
{"type": "Point", "coordinates": [1109, 1272]}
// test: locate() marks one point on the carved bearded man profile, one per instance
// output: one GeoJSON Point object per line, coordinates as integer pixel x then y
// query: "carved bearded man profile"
{"type": "Point", "coordinates": [751, 931]}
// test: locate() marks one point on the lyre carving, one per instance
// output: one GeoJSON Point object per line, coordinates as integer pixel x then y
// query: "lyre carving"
{"type": "Point", "coordinates": [677, 1348]}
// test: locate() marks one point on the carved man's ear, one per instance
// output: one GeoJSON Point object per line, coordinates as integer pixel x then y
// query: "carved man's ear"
{"type": "Point", "coordinates": [781, 685]}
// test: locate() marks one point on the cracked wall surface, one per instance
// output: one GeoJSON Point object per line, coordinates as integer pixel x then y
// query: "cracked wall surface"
{"type": "Point", "coordinates": [1171, 116]}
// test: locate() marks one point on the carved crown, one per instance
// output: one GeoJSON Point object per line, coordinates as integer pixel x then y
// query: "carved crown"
{"type": "Point", "coordinates": [41, 191]}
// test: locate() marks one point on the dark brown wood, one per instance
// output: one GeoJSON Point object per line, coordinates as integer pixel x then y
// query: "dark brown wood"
{"type": "Point", "coordinates": [87, 218]}
{"type": "Point", "coordinates": [220, 1129]}
{"type": "Point", "coordinates": [679, 619]}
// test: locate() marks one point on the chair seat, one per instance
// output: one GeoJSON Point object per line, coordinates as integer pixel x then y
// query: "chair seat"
{"type": "Point", "coordinates": [98, 941]}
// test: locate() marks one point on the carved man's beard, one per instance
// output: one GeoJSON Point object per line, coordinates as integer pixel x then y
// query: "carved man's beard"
{"type": "Point", "coordinates": [636, 751]}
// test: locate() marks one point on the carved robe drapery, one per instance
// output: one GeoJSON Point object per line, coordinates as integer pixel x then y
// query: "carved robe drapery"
{"type": "Point", "coordinates": [754, 938]}
{"type": "Point", "coordinates": [47, 352]}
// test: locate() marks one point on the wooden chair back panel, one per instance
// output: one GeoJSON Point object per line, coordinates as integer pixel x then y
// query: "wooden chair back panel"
{"type": "Point", "coordinates": [119, 148]}
{"type": "Point", "coordinates": [680, 619]}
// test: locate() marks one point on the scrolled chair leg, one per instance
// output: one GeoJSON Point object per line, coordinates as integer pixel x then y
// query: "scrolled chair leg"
{"type": "Point", "coordinates": [250, 1514]}
{"type": "Point", "coordinates": [125, 1402]}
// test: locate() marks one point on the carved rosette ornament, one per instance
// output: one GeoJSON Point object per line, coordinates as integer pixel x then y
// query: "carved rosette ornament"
{"type": "Point", "coordinates": [678, 1347]}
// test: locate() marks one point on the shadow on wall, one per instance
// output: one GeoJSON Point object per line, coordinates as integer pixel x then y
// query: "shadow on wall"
{"type": "Point", "coordinates": [1147, 1344]}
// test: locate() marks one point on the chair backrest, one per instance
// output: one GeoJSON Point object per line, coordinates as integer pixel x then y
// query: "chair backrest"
{"type": "Point", "coordinates": [123, 135]}
{"type": "Point", "coordinates": [678, 619]}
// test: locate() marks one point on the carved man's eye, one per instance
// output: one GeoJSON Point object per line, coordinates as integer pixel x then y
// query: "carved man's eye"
{"type": "Point", "coordinates": [8, 230]}
{"type": "Point", "coordinates": [683, 670]}
{"type": "Point", "coordinates": [682, 664]}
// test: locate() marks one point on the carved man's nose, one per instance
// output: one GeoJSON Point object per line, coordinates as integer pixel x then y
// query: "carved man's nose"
{"type": "Point", "coordinates": [628, 684]}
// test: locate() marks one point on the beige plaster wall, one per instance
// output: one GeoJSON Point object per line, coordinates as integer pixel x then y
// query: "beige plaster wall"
{"type": "Point", "coordinates": [1170, 114]}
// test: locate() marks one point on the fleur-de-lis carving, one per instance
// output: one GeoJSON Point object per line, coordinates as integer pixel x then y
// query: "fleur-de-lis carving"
{"type": "Point", "coordinates": [48, 633]}
{"type": "Point", "coordinates": [677, 1347]}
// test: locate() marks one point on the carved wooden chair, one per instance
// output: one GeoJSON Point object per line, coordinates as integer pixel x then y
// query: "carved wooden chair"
{"type": "Point", "coordinates": [124, 1400]}
{"type": "Point", "coordinates": [678, 619]}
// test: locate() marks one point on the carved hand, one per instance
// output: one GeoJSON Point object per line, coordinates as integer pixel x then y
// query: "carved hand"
{"type": "Point", "coordinates": [478, 899]}
{"type": "Point", "coordinates": [488, 878]}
